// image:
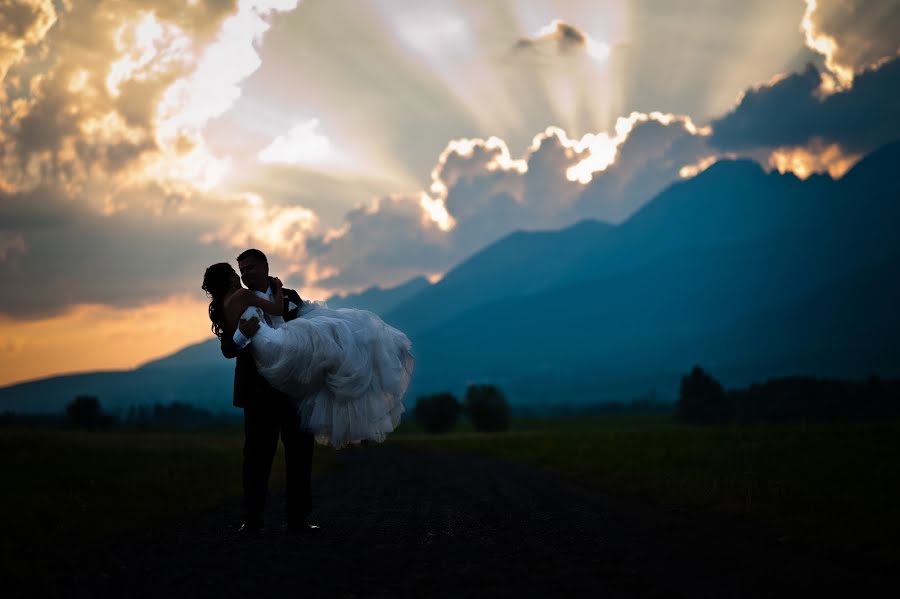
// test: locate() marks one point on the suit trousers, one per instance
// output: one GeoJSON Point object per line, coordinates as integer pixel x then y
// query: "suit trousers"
{"type": "Point", "coordinates": [275, 414]}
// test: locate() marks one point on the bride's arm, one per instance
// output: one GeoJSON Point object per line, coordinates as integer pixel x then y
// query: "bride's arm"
{"type": "Point", "coordinates": [276, 308]}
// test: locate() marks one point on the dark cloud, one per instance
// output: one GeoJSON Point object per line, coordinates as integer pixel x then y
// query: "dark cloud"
{"type": "Point", "coordinates": [385, 243]}
{"type": "Point", "coordinates": [792, 112]}
{"type": "Point", "coordinates": [59, 255]}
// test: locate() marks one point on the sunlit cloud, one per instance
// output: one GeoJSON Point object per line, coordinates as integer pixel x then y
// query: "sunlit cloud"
{"type": "Point", "coordinates": [804, 161]}
{"type": "Point", "coordinates": [302, 144]}
{"type": "Point", "coordinates": [278, 230]}
{"type": "Point", "coordinates": [602, 149]}
{"type": "Point", "coordinates": [435, 211]}
{"type": "Point", "coordinates": [148, 48]}
{"type": "Point", "coordinates": [131, 110]}
{"type": "Point", "coordinates": [825, 45]}
{"type": "Point", "coordinates": [22, 26]}
{"type": "Point", "coordinates": [852, 36]}
{"type": "Point", "coordinates": [692, 170]}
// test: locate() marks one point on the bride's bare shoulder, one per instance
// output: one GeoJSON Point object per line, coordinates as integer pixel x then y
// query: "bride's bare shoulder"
{"type": "Point", "coordinates": [236, 302]}
{"type": "Point", "coordinates": [238, 296]}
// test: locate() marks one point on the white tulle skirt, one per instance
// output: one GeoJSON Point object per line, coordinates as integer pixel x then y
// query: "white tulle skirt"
{"type": "Point", "coordinates": [347, 368]}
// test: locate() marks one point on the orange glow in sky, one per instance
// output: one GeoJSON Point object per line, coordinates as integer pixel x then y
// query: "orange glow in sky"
{"type": "Point", "coordinates": [92, 337]}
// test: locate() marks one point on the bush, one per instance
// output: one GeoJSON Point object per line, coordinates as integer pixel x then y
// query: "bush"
{"type": "Point", "coordinates": [437, 413]}
{"type": "Point", "coordinates": [85, 413]}
{"type": "Point", "coordinates": [702, 400]}
{"type": "Point", "coordinates": [486, 408]}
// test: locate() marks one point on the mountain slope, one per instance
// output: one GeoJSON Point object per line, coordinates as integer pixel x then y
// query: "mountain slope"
{"type": "Point", "coordinates": [380, 300]}
{"type": "Point", "coordinates": [520, 263]}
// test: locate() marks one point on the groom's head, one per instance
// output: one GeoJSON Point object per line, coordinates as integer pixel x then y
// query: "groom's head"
{"type": "Point", "coordinates": [254, 269]}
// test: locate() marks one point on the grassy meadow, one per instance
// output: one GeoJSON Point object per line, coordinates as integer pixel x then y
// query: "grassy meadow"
{"type": "Point", "coordinates": [70, 484]}
{"type": "Point", "coordinates": [839, 482]}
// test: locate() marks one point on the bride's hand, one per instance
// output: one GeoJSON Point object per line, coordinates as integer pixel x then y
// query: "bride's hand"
{"type": "Point", "coordinates": [276, 283]}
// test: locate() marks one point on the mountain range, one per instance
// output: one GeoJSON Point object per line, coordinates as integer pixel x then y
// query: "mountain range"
{"type": "Point", "coordinates": [747, 273]}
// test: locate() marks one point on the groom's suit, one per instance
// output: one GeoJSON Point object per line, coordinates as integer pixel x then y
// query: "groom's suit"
{"type": "Point", "coordinates": [268, 413]}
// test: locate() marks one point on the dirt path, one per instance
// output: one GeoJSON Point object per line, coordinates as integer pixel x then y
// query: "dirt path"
{"type": "Point", "coordinates": [449, 525]}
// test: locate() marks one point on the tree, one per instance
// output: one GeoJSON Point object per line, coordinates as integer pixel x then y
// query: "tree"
{"type": "Point", "coordinates": [437, 413]}
{"type": "Point", "coordinates": [702, 400]}
{"type": "Point", "coordinates": [486, 408]}
{"type": "Point", "coordinates": [85, 413]}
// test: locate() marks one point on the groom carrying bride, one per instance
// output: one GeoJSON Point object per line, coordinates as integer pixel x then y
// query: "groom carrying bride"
{"type": "Point", "coordinates": [308, 373]}
{"type": "Point", "coordinates": [268, 413]}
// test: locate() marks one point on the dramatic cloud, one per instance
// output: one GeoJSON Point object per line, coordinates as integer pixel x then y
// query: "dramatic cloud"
{"type": "Point", "coordinates": [852, 34]}
{"type": "Point", "coordinates": [480, 192]}
{"type": "Point", "coordinates": [56, 254]}
{"type": "Point", "coordinates": [124, 94]}
{"type": "Point", "coordinates": [790, 112]}
{"type": "Point", "coordinates": [102, 144]}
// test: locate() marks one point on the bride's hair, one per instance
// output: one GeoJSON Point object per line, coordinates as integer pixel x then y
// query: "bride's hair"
{"type": "Point", "coordinates": [216, 284]}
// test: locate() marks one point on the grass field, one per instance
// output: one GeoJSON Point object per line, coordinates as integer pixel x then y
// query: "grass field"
{"type": "Point", "coordinates": [66, 483]}
{"type": "Point", "coordinates": [839, 483]}
{"type": "Point", "coordinates": [836, 482]}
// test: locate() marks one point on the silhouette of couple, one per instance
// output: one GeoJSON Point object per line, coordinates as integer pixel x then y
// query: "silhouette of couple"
{"type": "Point", "coordinates": [303, 372]}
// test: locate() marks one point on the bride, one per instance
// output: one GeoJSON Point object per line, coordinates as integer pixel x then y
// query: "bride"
{"type": "Point", "coordinates": [358, 366]}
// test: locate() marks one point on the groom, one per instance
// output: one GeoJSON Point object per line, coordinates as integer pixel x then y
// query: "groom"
{"type": "Point", "coordinates": [268, 413]}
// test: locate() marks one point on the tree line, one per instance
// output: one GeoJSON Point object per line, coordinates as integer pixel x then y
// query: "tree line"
{"type": "Point", "coordinates": [86, 413]}
{"type": "Point", "coordinates": [788, 400]}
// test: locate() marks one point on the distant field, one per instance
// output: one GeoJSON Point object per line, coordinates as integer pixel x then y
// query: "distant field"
{"type": "Point", "coordinates": [834, 482]}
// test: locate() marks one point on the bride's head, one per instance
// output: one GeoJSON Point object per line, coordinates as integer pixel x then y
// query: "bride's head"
{"type": "Point", "coordinates": [218, 281]}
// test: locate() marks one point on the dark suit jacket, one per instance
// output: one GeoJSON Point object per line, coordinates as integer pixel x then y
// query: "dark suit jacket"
{"type": "Point", "coordinates": [249, 385]}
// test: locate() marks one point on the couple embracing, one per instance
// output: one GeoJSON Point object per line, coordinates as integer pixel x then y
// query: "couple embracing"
{"type": "Point", "coordinates": [305, 373]}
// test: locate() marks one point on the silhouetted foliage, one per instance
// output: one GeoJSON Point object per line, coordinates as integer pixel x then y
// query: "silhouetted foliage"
{"type": "Point", "coordinates": [437, 413]}
{"type": "Point", "coordinates": [85, 413]}
{"type": "Point", "coordinates": [701, 399]}
{"type": "Point", "coordinates": [790, 400]}
{"type": "Point", "coordinates": [486, 408]}
{"type": "Point", "coordinates": [808, 399]}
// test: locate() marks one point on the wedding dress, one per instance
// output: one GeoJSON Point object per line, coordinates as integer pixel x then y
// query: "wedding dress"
{"type": "Point", "coordinates": [348, 367]}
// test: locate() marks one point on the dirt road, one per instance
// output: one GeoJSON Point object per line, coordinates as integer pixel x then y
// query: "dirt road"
{"type": "Point", "coordinates": [448, 525]}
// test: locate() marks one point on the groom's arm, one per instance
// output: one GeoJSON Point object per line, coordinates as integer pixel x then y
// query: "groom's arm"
{"type": "Point", "coordinates": [233, 346]}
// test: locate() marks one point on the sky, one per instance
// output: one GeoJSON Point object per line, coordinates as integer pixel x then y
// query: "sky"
{"type": "Point", "coordinates": [365, 143]}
